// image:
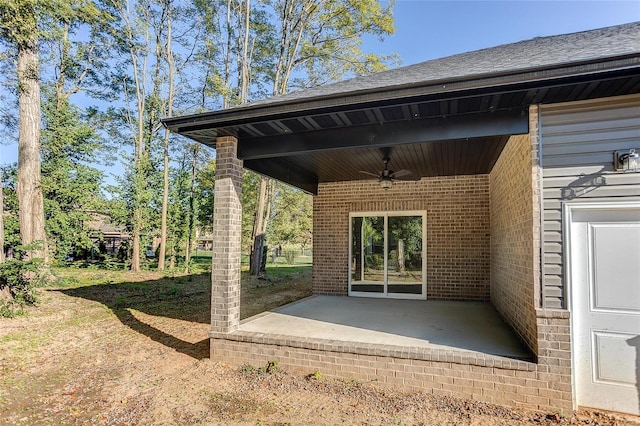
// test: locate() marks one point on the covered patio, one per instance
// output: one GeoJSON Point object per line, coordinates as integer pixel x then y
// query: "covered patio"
{"type": "Point", "coordinates": [466, 129]}
{"type": "Point", "coordinates": [472, 329]}
{"type": "Point", "coordinates": [373, 325]}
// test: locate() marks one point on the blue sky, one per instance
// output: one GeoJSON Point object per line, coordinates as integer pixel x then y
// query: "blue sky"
{"type": "Point", "coordinates": [433, 29]}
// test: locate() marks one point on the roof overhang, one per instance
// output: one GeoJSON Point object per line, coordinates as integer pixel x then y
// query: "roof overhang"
{"type": "Point", "coordinates": [307, 141]}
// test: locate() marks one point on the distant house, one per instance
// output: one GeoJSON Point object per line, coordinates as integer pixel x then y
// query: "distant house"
{"type": "Point", "coordinates": [105, 234]}
{"type": "Point", "coordinates": [499, 262]}
{"type": "Point", "coordinates": [204, 239]}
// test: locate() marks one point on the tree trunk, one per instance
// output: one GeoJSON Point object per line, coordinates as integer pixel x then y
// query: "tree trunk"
{"type": "Point", "coordinates": [290, 42]}
{"type": "Point", "coordinates": [268, 203]}
{"type": "Point", "coordinates": [165, 190]}
{"type": "Point", "coordinates": [165, 203]}
{"type": "Point", "coordinates": [137, 215]}
{"type": "Point", "coordinates": [1, 222]}
{"type": "Point", "coordinates": [258, 229]}
{"type": "Point", "coordinates": [141, 157]}
{"type": "Point", "coordinates": [172, 257]}
{"type": "Point", "coordinates": [400, 251]}
{"type": "Point", "coordinates": [135, 249]}
{"type": "Point", "coordinates": [30, 202]}
{"type": "Point", "coordinates": [227, 59]}
{"type": "Point", "coordinates": [192, 213]}
{"type": "Point", "coordinates": [244, 77]}
{"type": "Point", "coordinates": [256, 267]}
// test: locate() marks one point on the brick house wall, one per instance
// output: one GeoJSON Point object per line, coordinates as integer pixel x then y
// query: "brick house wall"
{"type": "Point", "coordinates": [457, 228]}
{"type": "Point", "coordinates": [512, 285]}
{"type": "Point", "coordinates": [545, 386]}
{"type": "Point", "coordinates": [515, 234]}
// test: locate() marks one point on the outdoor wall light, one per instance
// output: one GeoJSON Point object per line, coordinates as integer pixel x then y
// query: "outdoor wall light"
{"type": "Point", "coordinates": [627, 161]}
{"type": "Point", "coordinates": [385, 183]}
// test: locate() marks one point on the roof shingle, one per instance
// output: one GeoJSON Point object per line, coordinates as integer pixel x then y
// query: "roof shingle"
{"type": "Point", "coordinates": [539, 52]}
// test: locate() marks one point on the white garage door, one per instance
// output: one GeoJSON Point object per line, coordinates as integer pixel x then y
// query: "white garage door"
{"type": "Point", "coordinates": [605, 295]}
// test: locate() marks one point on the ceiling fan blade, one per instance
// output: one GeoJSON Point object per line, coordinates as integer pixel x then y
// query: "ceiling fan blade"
{"type": "Point", "coordinates": [375, 175]}
{"type": "Point", "coordinates": [401, 173]}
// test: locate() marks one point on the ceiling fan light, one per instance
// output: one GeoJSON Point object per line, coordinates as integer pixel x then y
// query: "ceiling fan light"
{"type": "Point", "coordinates": [385, 183]}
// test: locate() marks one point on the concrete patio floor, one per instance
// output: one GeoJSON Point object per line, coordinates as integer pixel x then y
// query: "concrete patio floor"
{"type": "Point", "coordinates": [471, 326]}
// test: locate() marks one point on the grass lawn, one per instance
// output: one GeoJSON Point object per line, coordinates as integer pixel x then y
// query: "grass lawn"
{"type": "Point", "coordinates": [181, 296]}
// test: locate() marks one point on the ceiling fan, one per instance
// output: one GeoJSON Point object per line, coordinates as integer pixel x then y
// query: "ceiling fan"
{"type": "Point", "coordinates": [386, 177]}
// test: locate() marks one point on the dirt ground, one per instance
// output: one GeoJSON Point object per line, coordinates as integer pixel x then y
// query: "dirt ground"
{"type": "Point", "coordinates": [104, 348]}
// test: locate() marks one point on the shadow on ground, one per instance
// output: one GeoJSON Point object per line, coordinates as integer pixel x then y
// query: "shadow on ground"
{"type": "Point", "coordinates": [182, 298]}
{"type": "Point", "coordinates": [188, 299]}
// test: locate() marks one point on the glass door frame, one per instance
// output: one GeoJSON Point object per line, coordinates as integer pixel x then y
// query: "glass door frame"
{"type": "Point", "coordinates": [385, 293]}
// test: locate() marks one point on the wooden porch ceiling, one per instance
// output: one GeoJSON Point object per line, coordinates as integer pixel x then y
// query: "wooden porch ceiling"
{"type": "Point", "coordinates": [453, 157]}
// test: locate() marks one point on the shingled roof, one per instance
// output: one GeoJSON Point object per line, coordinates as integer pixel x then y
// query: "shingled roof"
{"type": "Point", "coordinates": [527, 55]}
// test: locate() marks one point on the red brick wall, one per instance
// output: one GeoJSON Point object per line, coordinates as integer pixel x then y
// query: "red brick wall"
{"type": "Point", "coordinates": [458, 240]}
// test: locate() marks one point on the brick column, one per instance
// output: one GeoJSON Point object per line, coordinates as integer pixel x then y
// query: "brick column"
{"type": "Point", "coordinates": [227, 223]}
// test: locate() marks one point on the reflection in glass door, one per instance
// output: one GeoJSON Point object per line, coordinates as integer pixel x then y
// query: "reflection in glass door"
{"type": "Point", "coordinates": [367, 269]}
{"type": "Point", "coordinates": [404, 254]}
{"type": "Point", "coordinates": [387, 256]}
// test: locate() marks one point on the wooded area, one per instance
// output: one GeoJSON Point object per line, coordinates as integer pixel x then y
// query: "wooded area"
{"type": "Point", "coordinates": [88, 82]}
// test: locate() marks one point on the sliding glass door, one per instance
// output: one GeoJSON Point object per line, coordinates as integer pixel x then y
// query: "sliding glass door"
{"type": "Point", "coordinates": [387, 255]}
